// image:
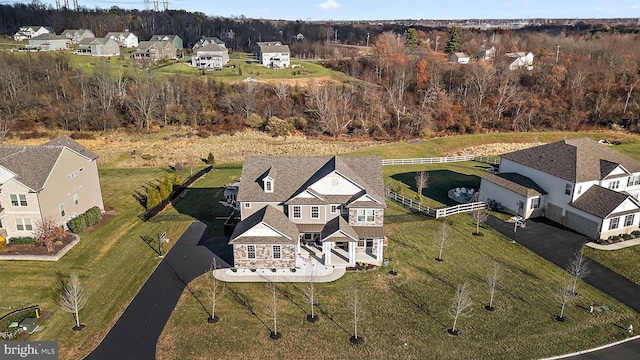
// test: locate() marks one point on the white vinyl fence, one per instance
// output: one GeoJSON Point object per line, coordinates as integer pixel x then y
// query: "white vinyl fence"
{"type": "Point", "coordinates": [439, 160]}
{"type": "Point", "coordinates": [436, 213]}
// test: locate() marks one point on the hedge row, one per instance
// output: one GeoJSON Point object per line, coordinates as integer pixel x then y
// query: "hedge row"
{"type": "Point", "coordinates": [157, 193]}
{"type": "Point", "coordinates": [81, 222]}
{"type": "Point", "coordinates": [22, 240]}
{"type": "Point", "coordinates": [17, 316]}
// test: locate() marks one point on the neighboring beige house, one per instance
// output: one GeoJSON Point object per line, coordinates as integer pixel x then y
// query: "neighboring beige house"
{"type": "Point", "coordinates": [579, 183]}
{"type": "Point", "coordinates": [175, 39]}
{"type": "Point", "coordinates": [48, 42]}
{"type": "Point", "coordinates": [125, 39]}
{"type": "Point", "coordinates": [210, 56]}
{"type": "Point", "coordinates": [27, 32]}
{"type": "Point", "coordinates": [459, 58]}
{"type": "Point", "coordinates": [520, 60]}
{"type": "Point", "coordinates": [486, 54]}
{"type": "Point", "coordinates": [273, 54]}
{"type": "Point", "coordinates": [75, 36]}
{"type": "Point", "coordinates": [155, 50]}
{"type": "Point", "coordinates": [56, 180]}
{"type": "Point", "coordinates": [330, 208]}
{"type": "Point", "coordinates": [98, 47]}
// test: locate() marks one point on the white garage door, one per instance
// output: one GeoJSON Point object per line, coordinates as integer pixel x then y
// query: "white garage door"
{"type": "Point", "coordinates": [554, 213]}
{"type": "Point", "coordinates": [581, 224]}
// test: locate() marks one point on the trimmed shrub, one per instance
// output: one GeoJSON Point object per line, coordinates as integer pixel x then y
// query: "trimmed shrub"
{"type": "Point", "coordinates": [93, 216]}
{"type": "Point", "coordinates": [22, 240]}
{"type": "Point", "coordinates": [77, 224]}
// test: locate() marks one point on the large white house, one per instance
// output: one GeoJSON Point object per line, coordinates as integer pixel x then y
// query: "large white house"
{"type": "Point", "coordinates": [125, 39]}
{"type": "Point", "coordinates": [331, 208]}
{"type": "Point", "coordinates": [579, 183]}
{"type": "Point", "coordinates": [210, 56]}
{"type": "Point", "coordinates": [273, 54]}
{"type": "Point", "coordinates": [28, 32]}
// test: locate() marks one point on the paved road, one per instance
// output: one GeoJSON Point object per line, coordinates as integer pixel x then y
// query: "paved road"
{"type": "Point", "coordinates": [626, 351]}
{"type": "Point", "coordinates": [136, 333]}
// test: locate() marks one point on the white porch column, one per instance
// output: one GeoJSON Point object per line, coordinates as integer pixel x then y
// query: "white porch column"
{"type": "Point", "coordinates": [379, 252]}
{"type": "Point", "coordinates": [326, 249]}
{"type": "Point", "coordinates": [352, 252]}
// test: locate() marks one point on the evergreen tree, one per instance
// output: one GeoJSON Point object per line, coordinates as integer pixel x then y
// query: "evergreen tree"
{"type": "Point", "coordinates": [411, 38]}
{"type": "Point", "coordinates": [453, 45]}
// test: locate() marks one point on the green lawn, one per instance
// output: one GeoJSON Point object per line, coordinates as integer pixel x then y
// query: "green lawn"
{"type": "Point", "coordinates": [410, 308]}
{"type": "Point", "coordinates": [624, 261]}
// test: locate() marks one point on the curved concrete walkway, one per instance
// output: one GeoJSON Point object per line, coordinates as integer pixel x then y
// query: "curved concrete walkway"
{"type": "Point", "coordinates": [615, 246]}
{"type": "Point", "coordinates": [266, 275]}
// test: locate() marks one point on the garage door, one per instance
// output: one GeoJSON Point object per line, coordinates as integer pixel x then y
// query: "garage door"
{"type": "Point", "coordinates": [581, 224]}
{"type": "Point", "coordinates": [554, 213]}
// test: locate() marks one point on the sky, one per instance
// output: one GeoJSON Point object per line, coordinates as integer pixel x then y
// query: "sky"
{"type": "Point", "coordinates": [391, 9]}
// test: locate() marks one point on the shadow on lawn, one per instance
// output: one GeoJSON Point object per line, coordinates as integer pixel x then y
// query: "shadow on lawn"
{"type": "Point", "coordinates": [440, 182]}
{"type": "Point", "coordinates": [245, 304]}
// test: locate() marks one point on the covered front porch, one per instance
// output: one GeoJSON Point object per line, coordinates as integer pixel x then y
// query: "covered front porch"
{"type": "Point", "coordinates": [344, 253]}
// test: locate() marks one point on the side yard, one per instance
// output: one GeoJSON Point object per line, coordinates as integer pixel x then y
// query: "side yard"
{"type": "Point", "coordinates": [405, 316]}
{"type": "Point", "coordinates": [624, 261]}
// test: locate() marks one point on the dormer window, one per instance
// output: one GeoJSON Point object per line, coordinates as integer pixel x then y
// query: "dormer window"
{"type": "Point", "coordinates": [268, 184]}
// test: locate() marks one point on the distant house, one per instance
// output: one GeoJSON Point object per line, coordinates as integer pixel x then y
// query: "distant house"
{"type": "Point", "coordinates": [56, 180]}
{"type": "Point", "coordinates": [210, 56]}
{"type": "Point", "coordinates": [579, 183]}
{"type": "Point", "coordinates": [125, 39]}
{"type": "Point", "coordinates": [98, 47]}
{"type": "Point", "coordinates": [155, 50]}
{"type": "Point", "coordinates": [208, 40]}
{"type": "Point", "coordinates": [328, 207]}
{"type": "Point", "coordinates": [459, 58]}
{"type": "Point", "coordinates": [47, 42]}
{"type": "Point", "coordinates": [273, 54]}
{"type": "Point", "coordinates": [75, 36]}
{"type": "Point", "coordinates": [175, 39]}
{"type": "Point", "coordinates": [299, 37]}
{"type": "Point", "coordinates": [486, 54]}
{"type": "Point", "coordinates": [520, 60]}
{"type": "Point", "coordinates": [28, 32]}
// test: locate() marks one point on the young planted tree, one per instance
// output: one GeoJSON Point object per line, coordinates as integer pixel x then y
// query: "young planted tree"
{"type": "Point", "coordinates": [310, 296]}
{"type": "Point", "coordinates": [422, 181]}
{"type": "Point", "coordinates": [356, 306]}
{"type": "Point", "coordinates": [46, 232]}
{"type": "Point", "coordinates": [73, 298]}
{"type": "Point", "coordinates": [216, 290]}
{"type": "Point", "coordinates": [564, 296]}
{"type": "Point", "coordinates": [492, 282]}
{"type": "Point", "coordinates": [444, 239]}
{"type": "Point", "coordinates": [480, 216]}
{"type": "Point", "coordinates": [578, 268]}
{"type": "Point", "coordinates": [272, 309]}
{"type": "Point", "coordinates": [460, 306]}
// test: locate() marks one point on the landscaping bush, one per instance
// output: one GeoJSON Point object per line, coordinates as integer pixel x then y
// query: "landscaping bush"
{"type": "Point", "coordinates": [16, 317]}
{"type": "Point", "coordinates": [625, 236]}
{"type": "Point", "coordinates": [635, 233]}
{"type": "Point", "coordinates": [93, 216]}
{"type": "Point", "coordinates": [77, 224]}
{"type": "Point", "coordinates": [22, 240]}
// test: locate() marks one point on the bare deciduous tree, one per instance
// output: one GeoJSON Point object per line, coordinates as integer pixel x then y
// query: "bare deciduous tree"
{"type": "Point", "coordinates": [564, 296]}
{"type": "Point", "coordinates": [272, 309]}
{"type": "Point", "coordinates": [73, 298]}
{"type": "Point", "coordinates": [422, 181]}
{"type": "Point", "coordinates": [480, 216]}
{"type": "Point", "coordinates": [492, 282]}
{"type": "Point", "coordinates": [578, 268]}
{"type": "Point", "coordinates": [444, 239]}
{"type": "Point", "coordinates": [216, 290]}
{"type": "Point", "coordinates": [46, 232]}
{"type": "Point", "coordinates": [310, 295]}
{"type": "Point", "coordinates": [460, 306]}
{"type": "Point", "coordinates": [356, 307]}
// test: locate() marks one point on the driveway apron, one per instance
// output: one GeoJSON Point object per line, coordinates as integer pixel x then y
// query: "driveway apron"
{"type": "Point", "coordinates": [136, 333]}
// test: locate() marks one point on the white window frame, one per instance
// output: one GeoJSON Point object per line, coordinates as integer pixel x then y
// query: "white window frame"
{"type": "Point", "coordinates": [567, 189]}
{"type": "Point", "coordinates": [23, 199]}
{"type": "Point", "coordinates": [296, 212]}
{"type": "Point", "coordinates": [628, 220]}
{"type": "Point", "coordinates": [14, 200]}
{"type": "Point", "coordinates": [579, 191]}
{"type": "Point", "coordinates": [76, 199]}
{"type": "Point", "coordinates": [247, 205]}
{"type": "Point", "coordinates": [334, 209]}
{"type": "Point", "coordinates": [535, 203]}
{"type": "Point", "coordinates": [24, 224]}
{"type": "Point", "coordinates": [361, 243]}
{"type": "Point", "coordinates": [268, 186]}
{"type": "Point", "coordinates": [315, 212]}
{"type": "Point", "coordinates": [62, 212]}
{"type": "Point", "coordinates": [614, 223]}
{"type": "Point", "coordinates": [366, 215]}
{"type": "Point", "coordinates": [633, 180]}
{"type": "Point", "coordinates": [277, 252]}
{"type": "Point", "coordinates": [251, 251]}
{"type": "Point", "coordinates": [614, 184]}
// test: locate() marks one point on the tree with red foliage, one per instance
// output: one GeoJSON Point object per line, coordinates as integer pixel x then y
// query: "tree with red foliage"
{"type": "Point", "coordinates": [46, 232]}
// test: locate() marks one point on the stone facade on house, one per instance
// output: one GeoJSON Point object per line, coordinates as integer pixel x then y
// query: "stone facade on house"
{"type": "Point", "coordinates": [264, 257]}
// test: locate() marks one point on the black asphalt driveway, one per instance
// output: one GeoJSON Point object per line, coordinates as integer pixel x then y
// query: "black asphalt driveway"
{"type": "Point", "coordinates": [136, 333]}
{"type": "Point", "coordinates": [558, 245]}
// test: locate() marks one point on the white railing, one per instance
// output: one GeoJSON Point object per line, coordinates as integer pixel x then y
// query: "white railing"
{"type": "Point", "coordinates": [439, 160]}
{"type": "Point", "coordinates": [436, 213]}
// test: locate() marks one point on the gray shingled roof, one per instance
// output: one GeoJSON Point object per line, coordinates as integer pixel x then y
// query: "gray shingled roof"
{"type": "Point", "coordinates": [336, 225]}
{"type": "Point", "coordinates": [294, 174]}
{"type": "Point", "coordinates": [601, 202]}
{"type": "Point", "coordinates": [273, 47]}
{"type": "Point", "coordinates": [211, 47]}
{"type": "Point", "coordinates": [517, 183]}
{"type": "Point", "coordinates": [33, 164]}
{"type": "Point", "coordinates": [575, 160]}
{"type": "Point", "coordinates": [272, 217]}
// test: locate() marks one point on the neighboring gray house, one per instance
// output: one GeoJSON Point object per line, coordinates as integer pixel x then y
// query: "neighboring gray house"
{"type": "Point", "coordinates": [486, 54]}
{"type": "Point", "coordinates": [125, 39]}
{"type": "Point", "coordinates": [175, 39]}
{"type": "Point", "coordinates": [28, 32]}
{"type": "Point", "coordinates": [75, 36]}
{"type": "Point", "coordinates": [155, 50]}
{"type": "Point", "coordinates": [331, 208]}
{"type": "Point", "coordinates": [208, 40]}
{"type": "Point", "coordinates": [56, 180]}
{"type": "Point", "coordinates": [579, 183]}
{"type": "Point", "coordinates": [47, 42]}
{"type": "Point", "coordinates": [210, 56]}
{"type": "Point", "coordinates": [98, 47]}
{"type": "Point", "coordinates": [273, 54]}
{"type": "Point", "coordinates": [459, 58]}
{"type": "Point", "coordinates": [519, 60]}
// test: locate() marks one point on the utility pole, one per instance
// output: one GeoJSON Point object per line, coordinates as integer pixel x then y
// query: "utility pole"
{"type": "Point", "coordinates": [166, 5]}
{"type": "Point", "coordinates": [155, 5]}
{"type": "Point", "coordinates": [368, 34]}
{"type": "Point", "coordinates": [57, 4]}
{"type": "Point", "coordinates": [75, 5]}
{"type": "Point", "coordinates": [557, 53]}
{"type": "Point", "coordinates": [335, 36]}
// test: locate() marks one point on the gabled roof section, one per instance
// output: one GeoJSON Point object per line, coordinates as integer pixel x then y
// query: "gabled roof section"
{"type": "Point", "coordinates": [575, 160]}
{"type": "Point", "coordinates": [338, 229]}
{"type": "Point", "coordinates": [293, 175]}
{"type": "Point", "coordinates": [601, 202]}
{"type": "Point", "coordinates": [517, 183]}
{"type": "Point", "coordinates": [68, 142]}
{"type": "Point", "coordinates": [273, 219]}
